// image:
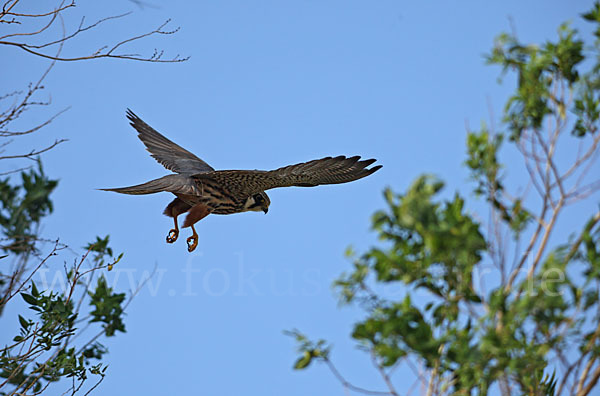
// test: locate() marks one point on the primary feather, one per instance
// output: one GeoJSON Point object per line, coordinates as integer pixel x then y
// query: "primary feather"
{"type": "Point", "coordinates": [170, 155]}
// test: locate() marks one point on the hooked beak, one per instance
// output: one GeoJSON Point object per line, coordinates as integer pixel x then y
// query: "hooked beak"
{"type": "Point", "coordinates": [265, 209]}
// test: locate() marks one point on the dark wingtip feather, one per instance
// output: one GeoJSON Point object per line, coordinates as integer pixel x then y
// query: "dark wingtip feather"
{"type": "Point", "coordinates": [130, 114]}
{"type": "Point", "coordinates": [375, 169]}
{"type": "Point", "coordinates": [367, 162]}
{"type": "Point", "coordinates": [133, 118]}
{"type": "Point", "coordinates": [369, 171]}
{"type": "Point", "coordinates": [359, 168]}
{"type": "Point", "coordinates": [109, 189]}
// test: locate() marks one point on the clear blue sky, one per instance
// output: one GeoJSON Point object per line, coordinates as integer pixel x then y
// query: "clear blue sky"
{"type": "Point", "coordinates": [269, 83]}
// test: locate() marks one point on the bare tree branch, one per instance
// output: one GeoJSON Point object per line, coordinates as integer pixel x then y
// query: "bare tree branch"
{"type": "Point", "coordinates": [103, 52]}
{"type": "Point", "coordinates": [346, 384]}
{"type": "Point", "coordinates": [34, 153]}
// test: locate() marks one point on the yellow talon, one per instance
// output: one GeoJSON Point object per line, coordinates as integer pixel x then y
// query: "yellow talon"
{"type": "Point", "coordinates": [172, 235]}
{"type": "Point", "coordinates": [192, 243]}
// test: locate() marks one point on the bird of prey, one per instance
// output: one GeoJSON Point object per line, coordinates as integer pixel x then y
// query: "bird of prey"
{"type": "Point", "coordinates": [200, 190]}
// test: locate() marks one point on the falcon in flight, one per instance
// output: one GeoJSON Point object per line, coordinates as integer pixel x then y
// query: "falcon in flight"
{"type": "Point", "coordinates": [201, 190]}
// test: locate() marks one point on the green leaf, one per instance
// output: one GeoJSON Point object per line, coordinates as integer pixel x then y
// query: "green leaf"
{"type": "Point", "coordinates": [303, 361]}
{"type": "Point", "coordinates": [24, 322]}
{"type": "Point", "coordinates": [34, 290]}
{"type": "Point", "coordinates": [29, 299]}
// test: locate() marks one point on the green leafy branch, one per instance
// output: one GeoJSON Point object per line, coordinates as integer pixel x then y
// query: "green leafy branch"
{"type": "Point", "coordinates": [45, 351]}
{"type": "Point", "coordinates": [535, 328]}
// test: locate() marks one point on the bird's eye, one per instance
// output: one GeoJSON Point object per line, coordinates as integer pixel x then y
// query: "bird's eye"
{"type": "Point", "coordinates": [258, 198]}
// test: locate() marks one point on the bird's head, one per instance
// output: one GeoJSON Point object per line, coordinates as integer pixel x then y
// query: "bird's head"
{"type": "Point", "coordinates": [258, 202]}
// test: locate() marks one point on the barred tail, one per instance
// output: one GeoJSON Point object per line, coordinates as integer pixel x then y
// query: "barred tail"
{"type": "Point", "coordinates": [166, 183]}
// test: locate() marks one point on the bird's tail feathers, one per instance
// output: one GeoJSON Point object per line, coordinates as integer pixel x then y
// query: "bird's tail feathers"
{"type": "Point", "coordinates": [165, 183]}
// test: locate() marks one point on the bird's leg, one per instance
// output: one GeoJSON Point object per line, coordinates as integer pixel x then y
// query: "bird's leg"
{"type": "Point", "coordinates": [173, 232]}
{"type": "Point", "coordinates": [174, 209]}
{"type": "Point", "coordinates": [192, 241]}
{"type": "Point", "coordinates": [197, 213]}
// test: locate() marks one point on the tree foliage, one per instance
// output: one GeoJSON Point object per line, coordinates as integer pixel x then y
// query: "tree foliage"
{"type": "Point", "coordinates": [23, 206]}
{"type": "Point", "coordinates": [535, 328]}
{"type": "Point", "coordinates": [49, 345]}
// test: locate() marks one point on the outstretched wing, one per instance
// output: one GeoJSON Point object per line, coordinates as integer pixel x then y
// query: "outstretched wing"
{"type": "Point", "coordinates": [307, 174]}
{"type": "Point", "coordinates": [177, 184]}
{"type": "Point", "coordinates": [167, 153]}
